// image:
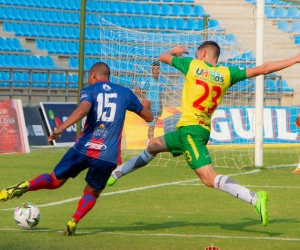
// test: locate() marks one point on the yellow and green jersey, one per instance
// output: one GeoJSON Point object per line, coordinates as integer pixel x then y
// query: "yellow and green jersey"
{"type": "Point", "coordinates": [204, 88]}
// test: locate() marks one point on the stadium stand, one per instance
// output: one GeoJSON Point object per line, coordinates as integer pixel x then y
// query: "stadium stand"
{"type": "Point", "coordinates": [53, 26]}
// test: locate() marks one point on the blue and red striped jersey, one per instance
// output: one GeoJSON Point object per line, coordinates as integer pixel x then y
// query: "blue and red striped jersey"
{"type": "Point", "coordinates": [101, 136]}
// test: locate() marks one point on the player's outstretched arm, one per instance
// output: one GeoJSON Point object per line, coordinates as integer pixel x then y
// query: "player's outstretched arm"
{"type": "Point", "coordinates": [167, 56]}
{"type": "Point", "coordinates": [271, 67]}
{"type": "Point", "coordinates": [146, 113]}
{"type": "Point", "coordinates": [76, 116]}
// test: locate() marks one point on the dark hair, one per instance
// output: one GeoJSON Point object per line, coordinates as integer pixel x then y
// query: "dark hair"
{"type": "Point", "coordinates": [212, 45]}
{"type": "Point", "coordinates": [156, 63]}
{"type": "Point", "coordinates": [101, 69]}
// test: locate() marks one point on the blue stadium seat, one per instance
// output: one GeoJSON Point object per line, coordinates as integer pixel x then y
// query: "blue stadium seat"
{"type": "Point", "coordinates": [87, 49]}
{"type": "Point", "coordinates": [153, 22]}
{"type": "Point", "coordinates": [24, 29]}
{"type": "Point", "coordinates": [74, 17]}
{"type": "Point", "coordinates": [38, 15]}
{"type": "Point", "coordinates": [129, 7]}
{"type": "Point", "coordinates": [112, 7]}
{"type": "Point", "coordinates": [128, 21]}
{"type": "Point", "coordinates": [144, 22]}
{"type": "Point", "coordinates": [170, 23]}
{"type": "Point", "coordinates": [49, 46]}
{"type": "Point", "coordinates": [197, 11]}
{"type": "Point", "coordinates": [191, 24]}
{"type": "Point", "coordinates": [147, 9]}
{"type": "Point", "coordinates": [270, 85]}
{"type": "Point", "coordinates": [47, 31]}
{"type": "Point", "coordinates": [138, 8]}
{"type": "Point", "coordinates": [72, 48]}
{"type": "Point", "coordinates": [165, 10]}
{"type": "Point", "coordinates": [285, 26]}
{"type": "Point", "coordinates": [32, 30]}
{"type": "Point", "coordinates": [180, 24]}
{"type": "Point", "coordinates": [285, 87]}
{"type": "Point", "coordinates": [3, 45]}
{"type": "Point", "coordinates": [136, 22]}
{"type": "Point", "coordinates": [231, 38]}
{"type": "Point", "coordinates": [295, 27]}
{"type": "Point", "coordinates": [90, 6]}
{"type": "Point", "coordinates": [40, 30]}
{"type": "Point", "coordinates": [121, 7]}
{"type": "Point", "coordinates": [8, 13]}
{"type": "Point", "coordinates": [155, 9]}
{"type": "Point", "coordinates": [175, 10]}
{"type": "Point", "coordinates": [40, 44]}
{"type": "Point", "coordinates": [280, 12]}
{"type": "Point", "coordinates": [57, 47]}
{"type": "Point", "coordinates": [76, 32]}
{"type": "Point", "coordinates": [54, 31]}
{"type": "Point", "coordinates": [162, 24]}
{"type": "Point", "coordinates": [7, 27]}
{"type": "Point", "coordinates": [16, 14]}
{"type": "Point", "coordinates": [293, 13]}
{"type": "Point", "coordinates": [187, 10]}
{"type": "Point", "coordinates": [270, 12]}
{"type": "Point", "coordinates": [60, 17]}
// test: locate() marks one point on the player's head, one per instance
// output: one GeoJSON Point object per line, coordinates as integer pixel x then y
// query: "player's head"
{"type": "Point", "coordinates": [208, 51]}
{"type": "Point", "coordinates": [155, 69]}
{"type": "Point", "coordinates": [98, 72]}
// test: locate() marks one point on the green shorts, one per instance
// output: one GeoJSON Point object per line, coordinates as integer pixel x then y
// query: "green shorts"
{"type": "Point", "coordinates": [190, 141]}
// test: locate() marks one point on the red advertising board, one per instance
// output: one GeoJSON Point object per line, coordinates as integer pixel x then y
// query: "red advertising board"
{"type": "Point", "coordinates": [13, 137]}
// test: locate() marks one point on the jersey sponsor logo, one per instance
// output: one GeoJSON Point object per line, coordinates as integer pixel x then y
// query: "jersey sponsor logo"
{"type": "Point", "coordinates": [106, 87]}
{"type": "Point", "coordinates": [99, 146]}
{"type": "Point", "coordinates": [100, 131]}
{"type": "Point", "coordinates": [83, 96]}
{"type": "Point", "coordinates": [211, 75]}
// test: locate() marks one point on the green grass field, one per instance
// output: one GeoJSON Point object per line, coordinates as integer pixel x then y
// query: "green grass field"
{"type": "Point", "coordinates": [153, 208]}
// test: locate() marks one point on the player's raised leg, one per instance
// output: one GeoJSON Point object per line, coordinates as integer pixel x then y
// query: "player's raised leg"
{"type": "Point", "coordinates": [43, 181]}
{"type": "Point", "coordinates": [155, 146]}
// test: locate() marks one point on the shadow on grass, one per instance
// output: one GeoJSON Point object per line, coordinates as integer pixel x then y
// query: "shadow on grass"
{"type": "Point", "coordinates": [238, 227]}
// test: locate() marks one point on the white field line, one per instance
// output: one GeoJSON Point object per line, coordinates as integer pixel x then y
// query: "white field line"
{"type": "Point", "coordinates": [127, 191]}
{"type": "Point", "coordinates": [160, 235]}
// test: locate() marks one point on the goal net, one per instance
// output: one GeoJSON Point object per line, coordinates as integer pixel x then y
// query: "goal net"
{"type": "Point", "coordinates": [133, 58]}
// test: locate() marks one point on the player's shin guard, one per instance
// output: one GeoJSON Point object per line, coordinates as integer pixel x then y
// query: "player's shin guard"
{"type": "Point", "coordinates": [228, 185]}
{"type": "Point", "coordinates": [85, 204]}
{"type": "Point", "coordinates": [43, 181]}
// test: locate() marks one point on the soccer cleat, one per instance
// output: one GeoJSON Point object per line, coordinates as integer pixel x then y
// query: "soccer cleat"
{"type": "Point", "coordinates": [115, 175]}
{"type": "Point", "coordinates": [296, 171]}
{"type": "Point", "coordinates": [70, 228]}
{"type": "Point", "coordinates": [15, 191]}
{"type": "Point", "coordinates": [261, 207]}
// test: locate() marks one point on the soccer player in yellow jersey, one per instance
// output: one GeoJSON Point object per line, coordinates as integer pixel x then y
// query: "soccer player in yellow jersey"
{"type": "Point", "coordinates": [205, 85]}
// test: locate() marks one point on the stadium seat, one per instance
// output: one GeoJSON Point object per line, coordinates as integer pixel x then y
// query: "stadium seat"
{"type": "Point", "coordinates": [270, 85]}
{"type": "Point", "coordinates": [175, 10]}
{"type": "Point", "coordinates": [155, 9]}
{"type": "Point", "coordinates": [16, 14]}
{"type": "Point", "coordinates": [3, 45]}
{"type": "Point", "coordinates": [165, 10]}
{"type": "Point", "coordinates": [90, 6]}
{"type": "Point", "coordinates": [8, 13]}
{"type": "Point", "coordinates": [231, 38]}
{"type": "Point", "coordinates": [295, 27]}
{"type": "Point", "coordinates": [54, 31]}
{"type": "Point", "coordinates": [191, 24]}
{"type": "Point", "coordinates": [129, 7]}
{"type": "Point", "coordinates": [170, 23]}
{"type": "Point", "coordinates": [284, 26]}
{"type": "Point", "coordinates": [23, 14]}
{"type": "Point", "coordinates": [270, 12]}
{"type": "Point", "coordinates": [136, 22]}
{"type": "Point", "coordinates": [197, 11]}
{"type": "Point", "coordinates": [49, 46]}
{"type": "Point", "coordinates": [72, 5]}
{"type": "Point", "coordinates": [112, 7]}
{"type": "Point", "coordinates": [128, 22]}
{"type": "Point", "coordinates": [121, 7]}
{"type": "Point", "coordinates": [144, 22]}
{"type": "Point", "coordinates": [74, 18]}
{"type": "Point", "coordinates": [153, 22]}
{"type": "Point", "coordinates": [293, 13]}
{"type": "Point", "coordinates": [162, 23]}
{"type": "Point", "coordinates": [7, 27]}
{"type": "Point", "coordinates": [280, 12]}
{"type": "Point", "coordinates": [147, 9]}
{"type": "Point", "coordinates": [180, 24]}
{"type": "Point", "coordinates": [138, 8]}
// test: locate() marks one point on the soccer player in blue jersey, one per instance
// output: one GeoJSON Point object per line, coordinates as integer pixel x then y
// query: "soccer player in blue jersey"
{"type": "Point", "coordinates": [97, 148]}
{"type": "Point", "coordinates": [152, 87]}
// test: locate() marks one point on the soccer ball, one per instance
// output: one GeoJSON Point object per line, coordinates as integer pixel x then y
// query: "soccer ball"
{"type": "Point", "coordinates": [27, 215]}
